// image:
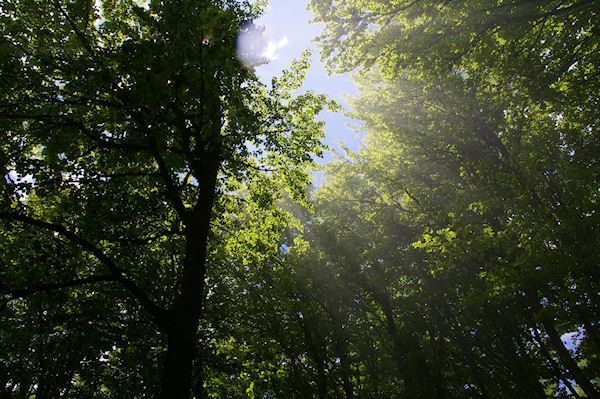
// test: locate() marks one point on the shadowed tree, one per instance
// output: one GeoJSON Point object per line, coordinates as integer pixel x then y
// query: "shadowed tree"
{"type": "Point", "coordinates": [128, 131]}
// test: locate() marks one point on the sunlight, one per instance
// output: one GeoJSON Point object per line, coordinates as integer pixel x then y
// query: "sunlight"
{"type": "Point", "coordinates": [256, 46]}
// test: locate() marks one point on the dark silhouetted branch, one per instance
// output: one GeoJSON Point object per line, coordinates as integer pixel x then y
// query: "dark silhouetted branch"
{"type": "Point", "coordinates": [117, 273]}
{"type": "Point", "coordinates": [23, 292]}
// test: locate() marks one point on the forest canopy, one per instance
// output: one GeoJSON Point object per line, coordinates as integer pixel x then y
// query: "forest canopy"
{"type": "Point", "coordinates": [159, 236]}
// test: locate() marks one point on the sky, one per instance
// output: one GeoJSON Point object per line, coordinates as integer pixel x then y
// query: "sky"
{"type": "Point", "coordinates": [288, 32]}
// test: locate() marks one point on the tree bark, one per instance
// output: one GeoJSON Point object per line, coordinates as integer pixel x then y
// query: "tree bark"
{"type": "Point", "coordinates": [567, 360]}
{"type": "Point", "coordinates": [177, 368]}
{"type": "Point", "coordinates": [555, 367]}
{"type": "Point", "coordinates": [184, 317]}
{"type": "Point", "coordinates": [183, 322]}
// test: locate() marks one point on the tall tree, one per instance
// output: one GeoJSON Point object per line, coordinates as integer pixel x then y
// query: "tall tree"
{"type": "Point", "coordinates": [482, 133]}
{"type": "Point", "coordinates": [127, 128]}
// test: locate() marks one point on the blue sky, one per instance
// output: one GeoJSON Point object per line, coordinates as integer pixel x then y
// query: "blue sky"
{"type": "Point", "coordinates": [289, 31]}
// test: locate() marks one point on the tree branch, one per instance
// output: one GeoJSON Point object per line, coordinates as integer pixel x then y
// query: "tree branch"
{"type": "Point", "coordinates": [22, 292]}
{"type": "Point", "coordinates": [172, 191]}
{"type": "Point", "coordinates": [117, 273]}
{"type": "Point", "coordinates": [61, 120]}
{"type": "Point", "coordinates": [80, 35]}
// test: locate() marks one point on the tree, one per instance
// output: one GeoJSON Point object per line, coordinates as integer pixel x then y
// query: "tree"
{"type": "Point", "coordinates": [481, 121]}
{"type": "Point", "coordinates": [130, 133]}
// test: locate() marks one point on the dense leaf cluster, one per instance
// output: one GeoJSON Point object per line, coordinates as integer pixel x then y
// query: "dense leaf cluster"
{"type": "Point", "coordinates": [131, 137]}
{"type": "Point", "coordinates": [456, 254]}
{"type": "Point", "coordinates": [157, 238]}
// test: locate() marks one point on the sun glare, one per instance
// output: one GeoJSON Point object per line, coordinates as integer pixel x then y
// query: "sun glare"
{"type": "Point", "coordinates": [256, 45]}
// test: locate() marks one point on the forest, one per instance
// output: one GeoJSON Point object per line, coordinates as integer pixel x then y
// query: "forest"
{"type": "Point", "coordinates": [160, 236]}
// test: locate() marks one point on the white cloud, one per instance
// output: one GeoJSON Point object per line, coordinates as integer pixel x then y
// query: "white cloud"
{"type": "Point", "coordinates": [256, 46]}
{"type": "Point", "coordinates": [271, 48]}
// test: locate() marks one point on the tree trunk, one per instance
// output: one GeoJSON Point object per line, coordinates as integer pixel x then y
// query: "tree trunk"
{"type": "Point", "coordinates": [184, 317]}
{"type": "Point", "coordinates": [318, 352]}
{"type": "Point", "coordinates": [590, 330]}
{"type": "Point", "coordinates": [564, 356]}
{"type": "Point", "coordinates": [407, 367]}
{"type": "Point", "coordinates": [177, 368]}
{"type": "Point", "coordinates": [518, 363]}
{"type": "Point", "coordinates": [566, 359]}
{"type": "Point", "coordinates": [341, 348]}
{"type": "Point", "coordinates": [555, 367]}
{"type": "Point", "coordinates": [472, 364]}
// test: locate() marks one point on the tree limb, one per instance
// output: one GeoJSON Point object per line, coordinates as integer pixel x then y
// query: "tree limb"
{"type": "Point", "coordinates": [172, 191]}
{"type": "Point", "coordinates": [117, 273]}
{"type": "Point", "coordinates": [22, 292]}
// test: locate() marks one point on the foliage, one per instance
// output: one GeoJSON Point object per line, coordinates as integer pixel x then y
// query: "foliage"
{"type": "Point", "coordinates": [463, 235]}
{"type": "Point", "coordinates": [158, 235]}
{"type": "Point", "coordinates": [130, 136]}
